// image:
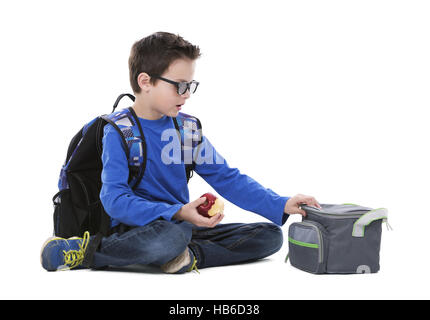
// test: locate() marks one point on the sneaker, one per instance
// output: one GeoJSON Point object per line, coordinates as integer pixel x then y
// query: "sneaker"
{"type": "Point", "coordinates": [64, 254]}
{"type": "Point", "coordinates": [185, 262]}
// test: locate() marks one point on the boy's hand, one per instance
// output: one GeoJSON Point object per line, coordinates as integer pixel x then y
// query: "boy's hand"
{"type": "Point", "coordinates": [189, 213]}
{"type": "Point", "coordinates": [292, 205]}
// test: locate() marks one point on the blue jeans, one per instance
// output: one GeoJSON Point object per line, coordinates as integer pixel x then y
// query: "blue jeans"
{"type": "Point", "coordinates": [160, 241]}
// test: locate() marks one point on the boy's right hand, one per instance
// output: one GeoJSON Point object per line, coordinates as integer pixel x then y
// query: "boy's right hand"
{"type": "Point", "coordinates": [189, 213]}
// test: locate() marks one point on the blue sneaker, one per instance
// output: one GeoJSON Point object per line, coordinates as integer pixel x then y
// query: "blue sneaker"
{"type": "Point", "coordinates": [63, 254]}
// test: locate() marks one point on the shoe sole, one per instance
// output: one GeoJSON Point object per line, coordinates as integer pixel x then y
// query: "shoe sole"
{"type": "Point", "coordinates": [177, 263]}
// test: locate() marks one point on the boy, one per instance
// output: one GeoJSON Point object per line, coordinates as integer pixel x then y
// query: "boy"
{"type": "Point", "coordinates": [155, 223]}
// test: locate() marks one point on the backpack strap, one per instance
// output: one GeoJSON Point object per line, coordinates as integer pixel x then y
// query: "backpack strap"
{"type": "Point", "coordinates": [120, 97]}
{"type": "Point", "coordinates": [189, 131]}
{"type": "Point", "coordinates": [128, 126]}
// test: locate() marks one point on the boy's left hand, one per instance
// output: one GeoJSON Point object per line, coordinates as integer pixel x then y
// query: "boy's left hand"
{"type": "Point", "coordinates": [293, 204]}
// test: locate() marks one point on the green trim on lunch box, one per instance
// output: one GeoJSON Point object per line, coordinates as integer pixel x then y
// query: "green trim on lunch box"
{"type": "Point", "coordinates": [303, 244]}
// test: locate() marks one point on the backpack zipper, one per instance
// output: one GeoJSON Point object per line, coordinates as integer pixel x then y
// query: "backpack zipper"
{"type": "Point", "coordinates": [84, 188]}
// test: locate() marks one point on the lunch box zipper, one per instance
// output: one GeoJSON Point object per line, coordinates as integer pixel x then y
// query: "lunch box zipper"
{"type": "Point", "coordinates": [320, 238]}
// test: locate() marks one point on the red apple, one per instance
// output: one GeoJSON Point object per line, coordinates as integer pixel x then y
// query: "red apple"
{"type": "Point", "coordinates": [211, 206]}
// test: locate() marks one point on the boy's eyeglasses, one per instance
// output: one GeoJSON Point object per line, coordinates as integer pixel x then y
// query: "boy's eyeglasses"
{"type": "Point", "coordinates": [181, 87]}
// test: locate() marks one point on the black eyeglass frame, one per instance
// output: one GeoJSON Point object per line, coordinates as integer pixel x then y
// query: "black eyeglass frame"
{"type": "Point", "coordinates": [178, 83]}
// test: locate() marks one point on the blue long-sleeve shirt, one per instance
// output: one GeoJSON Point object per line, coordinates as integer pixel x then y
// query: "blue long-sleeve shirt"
{"type": "Point", "coordinates": [163, 189]}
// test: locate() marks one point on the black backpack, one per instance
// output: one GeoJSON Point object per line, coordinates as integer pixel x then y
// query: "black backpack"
{"type": "Point", "coordinates": [77, 205]}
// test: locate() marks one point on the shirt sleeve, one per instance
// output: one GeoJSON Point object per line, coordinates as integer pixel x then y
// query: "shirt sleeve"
{"type": "Point", "coordinates": [118, 199]}
{"type": "Point", "coordinates": [237, 187]}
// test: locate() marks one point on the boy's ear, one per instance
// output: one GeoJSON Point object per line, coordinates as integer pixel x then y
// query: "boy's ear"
{"type": "Point", "coordinates": [143, 81]}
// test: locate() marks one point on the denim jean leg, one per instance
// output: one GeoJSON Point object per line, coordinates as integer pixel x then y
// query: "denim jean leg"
{"type": "Point", "coordinates": [155, 243]}
{"type": "Point", "coordinates": [234, 243]}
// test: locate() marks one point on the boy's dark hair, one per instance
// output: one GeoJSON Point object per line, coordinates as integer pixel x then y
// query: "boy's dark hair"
{"type": "Point", "coordinates": [154, 54]}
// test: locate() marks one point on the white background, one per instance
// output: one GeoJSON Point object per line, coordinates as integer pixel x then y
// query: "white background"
{"type": "Point", "coordinates": [326, 98]}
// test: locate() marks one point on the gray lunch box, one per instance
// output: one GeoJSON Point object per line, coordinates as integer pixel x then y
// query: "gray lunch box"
{"type": "Point", "coordinates": [344, 238]}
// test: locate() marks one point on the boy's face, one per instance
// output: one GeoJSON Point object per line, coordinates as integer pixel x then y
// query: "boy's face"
{"type": "Point", "coordinates": [163, 98]}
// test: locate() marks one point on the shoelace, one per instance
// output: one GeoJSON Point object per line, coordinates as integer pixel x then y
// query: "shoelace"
{"type": "Point", "coordinates": [194, 266]}
{"type": "Point", "coordinates": [74, 258]}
